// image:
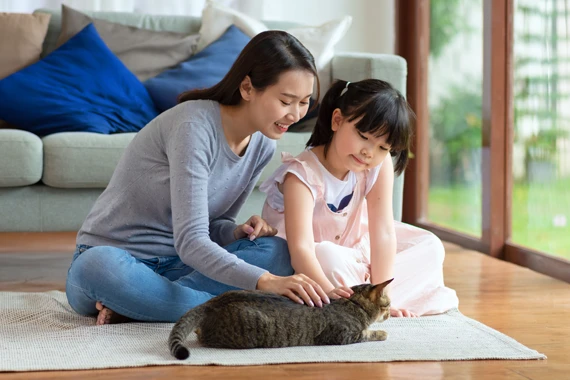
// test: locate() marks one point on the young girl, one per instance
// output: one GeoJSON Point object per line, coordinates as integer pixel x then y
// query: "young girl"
{"type": "Point", "coordinates": [151, 247]}
{"type": "Point", "coordinates": [333, 202]}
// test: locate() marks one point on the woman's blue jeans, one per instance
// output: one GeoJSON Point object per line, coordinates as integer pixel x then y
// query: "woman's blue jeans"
{"type": "Point", "coordinates": [160, 289]}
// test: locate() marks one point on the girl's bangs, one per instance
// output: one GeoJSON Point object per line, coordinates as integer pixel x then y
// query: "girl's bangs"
{"type": "Point", "coordinates": [384, 120]}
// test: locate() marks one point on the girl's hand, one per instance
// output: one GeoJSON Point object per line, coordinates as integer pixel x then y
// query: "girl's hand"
{"type": "Point", "coordinates": [298, 287]}
{"type": "Point", "coordinates": [255, 227]}
{"type": "Point", "coordinates": [343, 291]}
{"type": "Point", "coordinates": [402, 313]}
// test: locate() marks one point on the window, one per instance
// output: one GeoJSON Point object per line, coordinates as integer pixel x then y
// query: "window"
{"type": "Point", "coordinates": [490, 82]}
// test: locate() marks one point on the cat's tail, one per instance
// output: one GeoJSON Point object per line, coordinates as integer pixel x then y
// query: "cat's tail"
{"type": "Point", "coordinates": [182, 329]}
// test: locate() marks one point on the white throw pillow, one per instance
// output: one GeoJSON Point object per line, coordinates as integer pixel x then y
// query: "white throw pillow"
{"type": "Point", "coordinates": [217, 18]}
{"type": "Point", "coordinates": [320, 40]}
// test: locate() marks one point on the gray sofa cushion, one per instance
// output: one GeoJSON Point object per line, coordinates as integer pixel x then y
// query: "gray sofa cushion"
{"type": "Point", "coordinates": [20, 158]}
{"type": "Point", "coordinates": [87, 160]}
{"type": "Point", "coordinates": [82, 159]}
{"type": "Point", "coordinates": [146, 53]}
{"type": "Point", "coordinates": [176, 24]}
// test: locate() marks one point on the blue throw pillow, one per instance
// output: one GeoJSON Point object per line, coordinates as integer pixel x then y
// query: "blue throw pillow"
{"type": "Point", "coordinates": [202, 70]}
{"type": "Point", "coordinates": [81, 86]}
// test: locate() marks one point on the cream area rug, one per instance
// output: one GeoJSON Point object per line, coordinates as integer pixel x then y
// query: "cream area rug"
{"type": "Point", "coordinates": [39, 331]}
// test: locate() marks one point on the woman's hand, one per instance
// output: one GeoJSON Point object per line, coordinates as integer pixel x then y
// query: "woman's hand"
{"type": "Point", "coordinates": [402, 313]}
{"type": "Point", "coordinates": [343, 291]}
{"type": "Point", "coordinates": [297, 287]}
{"type": "Point", "coordinates": [255, 227]}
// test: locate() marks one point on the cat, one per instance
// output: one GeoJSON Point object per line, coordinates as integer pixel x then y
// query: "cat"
{"type": "Point", "coordinates": [255, 319]}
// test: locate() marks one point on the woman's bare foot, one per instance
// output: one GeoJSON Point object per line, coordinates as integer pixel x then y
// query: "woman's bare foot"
{"type": "Point", "coordinates": [107, 316]}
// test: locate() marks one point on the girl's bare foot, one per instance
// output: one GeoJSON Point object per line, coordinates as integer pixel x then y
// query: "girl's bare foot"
{"type": "Point", "coordinates": [107, 316]}
{"type": "Point", "coordinates": [402, 313]}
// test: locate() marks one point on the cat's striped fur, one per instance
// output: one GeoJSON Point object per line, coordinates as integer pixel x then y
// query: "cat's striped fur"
{"type": "Point", "coordinates": [254, 319]}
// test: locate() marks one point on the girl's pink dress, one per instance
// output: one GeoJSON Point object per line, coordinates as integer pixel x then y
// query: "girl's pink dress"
{"type": "Point", "coordinates": [342, 244]}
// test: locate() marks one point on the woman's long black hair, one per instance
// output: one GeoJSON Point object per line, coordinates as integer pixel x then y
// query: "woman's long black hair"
{"type": "Point", "coordinates": [263, 59]}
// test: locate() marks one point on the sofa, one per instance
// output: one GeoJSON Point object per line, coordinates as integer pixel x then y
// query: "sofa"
{"type": "Point", "coordinates": [51, 183]}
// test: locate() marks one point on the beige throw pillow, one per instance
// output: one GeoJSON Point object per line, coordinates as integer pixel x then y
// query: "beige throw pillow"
{"type": "Point", "coordinates": [21, 39]}
{"type": "Point", "coordinates": [146, 53]}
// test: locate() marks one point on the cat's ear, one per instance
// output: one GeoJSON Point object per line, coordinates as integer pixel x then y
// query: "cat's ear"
{"type": "Point", "coordinates": [380, 287]}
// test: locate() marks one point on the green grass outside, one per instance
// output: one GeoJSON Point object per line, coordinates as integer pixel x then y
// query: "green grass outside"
{"type": "Point", "coordinates": [534, 208]}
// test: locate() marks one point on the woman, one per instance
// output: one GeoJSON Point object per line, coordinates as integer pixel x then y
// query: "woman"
{"type": "Point", "coordinates": [151, 247]}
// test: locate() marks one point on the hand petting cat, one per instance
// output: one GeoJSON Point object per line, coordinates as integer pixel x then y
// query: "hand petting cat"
{"type": "Point", "coordinates": [255, 227]}
{"type": "Point", "coordinates": [340, 292]}
{"type": "Point", "coordinates": [298, 287]}
{"type": "Point", "coordinates": [346, 292]}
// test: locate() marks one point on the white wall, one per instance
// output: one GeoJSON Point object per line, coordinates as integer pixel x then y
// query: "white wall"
{"type": "Point", "coordinates": [372, 27]}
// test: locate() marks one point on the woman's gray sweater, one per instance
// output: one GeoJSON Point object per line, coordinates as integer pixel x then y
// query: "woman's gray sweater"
{"type": "Point", "coordinates": [177, 190]}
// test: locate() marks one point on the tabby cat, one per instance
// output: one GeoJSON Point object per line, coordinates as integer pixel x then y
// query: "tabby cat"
{"type": "Point", "coordinates": [254, 319]}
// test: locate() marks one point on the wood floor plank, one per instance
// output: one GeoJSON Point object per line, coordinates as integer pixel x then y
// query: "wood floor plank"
{"type": "Point", "coordinates": [37, 242]}
{"type": "Point", "coordinates": [532, 308]}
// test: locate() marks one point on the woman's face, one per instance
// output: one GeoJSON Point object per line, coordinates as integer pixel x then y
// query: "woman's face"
{"type": "Point", "coordinates": [282, 104]}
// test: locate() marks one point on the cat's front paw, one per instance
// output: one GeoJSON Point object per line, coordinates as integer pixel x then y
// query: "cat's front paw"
{"type": "Point", "coordinates": [381, 335]}
{"type": "Point", "coordinates": [375, 335]}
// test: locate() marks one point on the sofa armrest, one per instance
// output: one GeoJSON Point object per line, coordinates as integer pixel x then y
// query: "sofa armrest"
{"type": "Point", "coordinates": [387, 67]}
{"type": "Point", "coordinates": [357, 66]}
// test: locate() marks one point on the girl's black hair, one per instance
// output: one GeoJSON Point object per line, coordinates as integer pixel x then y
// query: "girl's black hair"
{"type": "Point", "coordinates": [263, 59]}
{"type": "Point", "coordinates": [383, 109]}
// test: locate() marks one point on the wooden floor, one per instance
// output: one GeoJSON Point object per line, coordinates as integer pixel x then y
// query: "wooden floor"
{"type": "Point", "coordinates": [531, 308]}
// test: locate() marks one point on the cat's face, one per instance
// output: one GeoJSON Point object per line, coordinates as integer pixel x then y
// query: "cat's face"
{"type": "Point", "coordinates": [373, 300]}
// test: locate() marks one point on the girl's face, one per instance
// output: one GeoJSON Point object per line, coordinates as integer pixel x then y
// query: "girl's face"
{"type": "Point", "coordinates": [274, 109]}
{"type": "Point", "coordinates": [353, 150]}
